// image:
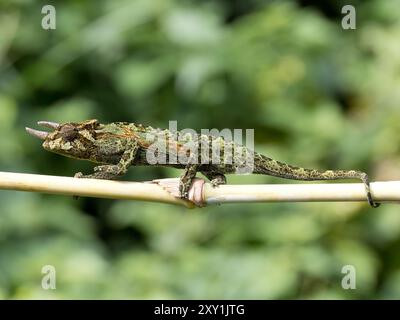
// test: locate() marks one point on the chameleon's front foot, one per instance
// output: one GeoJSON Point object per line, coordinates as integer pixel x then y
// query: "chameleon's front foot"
{"type": "Point", "coordinates": [106, 172]}
{"type": "Point", "coordinates": [95, 175]}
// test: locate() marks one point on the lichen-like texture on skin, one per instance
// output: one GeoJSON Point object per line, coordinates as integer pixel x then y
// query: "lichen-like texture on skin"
{"type": "Point", "coordinates": [119, 145]}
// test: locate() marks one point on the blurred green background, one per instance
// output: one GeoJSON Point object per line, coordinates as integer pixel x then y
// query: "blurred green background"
{"type": "Point", "coordinates": [316, 95]}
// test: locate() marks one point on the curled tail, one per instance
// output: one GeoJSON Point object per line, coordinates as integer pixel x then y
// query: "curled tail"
{"type": "Point", "coordinates": [271, 167]}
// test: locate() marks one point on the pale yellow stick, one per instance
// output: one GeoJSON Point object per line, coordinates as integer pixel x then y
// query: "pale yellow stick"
{"type": "Point", "coordinates": [88, 187]}
{"type": "Point", "coordinates": [166, 190]}
{"type": "Point", "coordinates": [388, 191]}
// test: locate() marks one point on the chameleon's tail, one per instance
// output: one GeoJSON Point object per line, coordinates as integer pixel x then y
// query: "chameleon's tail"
{"type": "Point", "coordinates": [271, 167]}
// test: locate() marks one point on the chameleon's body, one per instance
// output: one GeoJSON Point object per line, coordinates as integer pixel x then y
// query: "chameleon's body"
{"type": "Point", "coordinates": [117, 146]}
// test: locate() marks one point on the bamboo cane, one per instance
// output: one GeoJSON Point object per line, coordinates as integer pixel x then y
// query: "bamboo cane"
{"type": "Point", "coordinates": [201, 193]}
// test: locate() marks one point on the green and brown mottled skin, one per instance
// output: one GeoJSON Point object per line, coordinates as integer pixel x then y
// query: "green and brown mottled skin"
{"type": "Point", "coordinates": [119, 145]}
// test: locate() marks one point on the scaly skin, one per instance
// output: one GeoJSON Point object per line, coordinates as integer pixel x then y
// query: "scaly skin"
{"type": "Point", "coordinates": [119, 145]}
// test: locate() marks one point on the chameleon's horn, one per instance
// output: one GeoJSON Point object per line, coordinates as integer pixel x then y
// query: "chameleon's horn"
{"type": "Point", "coordinates": [48, 124]}
{"type": "Point", "coordinates": [36, 133]}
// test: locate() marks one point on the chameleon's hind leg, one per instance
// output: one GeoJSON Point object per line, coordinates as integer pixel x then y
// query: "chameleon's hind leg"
{"type": "Point", "coordinates": [186, 180]}
{"type": "Point", "coordinates": [216, 178]}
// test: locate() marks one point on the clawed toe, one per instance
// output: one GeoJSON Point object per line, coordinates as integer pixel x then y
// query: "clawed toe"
{"type": "Point", "coordinates": [215, 184]}
{"type": "Point", "coordinates": [184, 195]}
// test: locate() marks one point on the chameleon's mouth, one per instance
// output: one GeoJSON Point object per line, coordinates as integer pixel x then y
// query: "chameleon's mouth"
{"type": "Point", "coordinates": [43, 134]}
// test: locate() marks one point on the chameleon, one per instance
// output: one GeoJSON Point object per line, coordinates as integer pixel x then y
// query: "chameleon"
{"type": "Point", "coordinates": [118, 145]}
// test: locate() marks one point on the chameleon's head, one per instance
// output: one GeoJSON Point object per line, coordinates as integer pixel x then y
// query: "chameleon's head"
{"type": "Point", "coordinates": [69, 139]}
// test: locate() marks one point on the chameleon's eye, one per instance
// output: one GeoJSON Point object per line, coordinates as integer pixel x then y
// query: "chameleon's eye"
{"type": "Point", "coordinates": [69, 133]}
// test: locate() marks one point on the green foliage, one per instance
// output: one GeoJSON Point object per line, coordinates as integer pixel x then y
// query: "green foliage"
{"type": "Point", "coordinates": [316, 95]}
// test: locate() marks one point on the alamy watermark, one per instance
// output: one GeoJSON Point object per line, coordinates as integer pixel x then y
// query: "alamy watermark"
{"type": "Point", "coordinates": [225, 147]}
{"type": "Point", "coordinates": [349, 280]}
{"type": "Point", "coordinates": [49, 19]}
{"type": "Point", "coordinates": [349, 20]}
{"type": "Point", "coordinates": [49, 278]}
